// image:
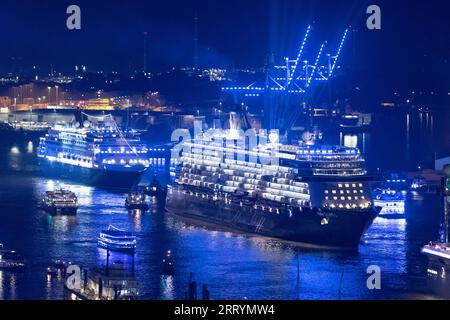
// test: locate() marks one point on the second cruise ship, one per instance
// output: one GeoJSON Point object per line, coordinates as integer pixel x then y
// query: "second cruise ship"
{"type": "Point", "coordinates": [99, 154]}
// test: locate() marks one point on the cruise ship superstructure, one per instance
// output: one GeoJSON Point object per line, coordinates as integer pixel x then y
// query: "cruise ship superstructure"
{"type": "Point", "coordinates": [315, 195]}
{"type": "Point", "coordinates": [438, 252]}
{"type": "Point", "coordinates": [95, 154]}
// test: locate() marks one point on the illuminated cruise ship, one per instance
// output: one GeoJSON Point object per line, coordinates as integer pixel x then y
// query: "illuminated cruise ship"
{"type": "Point", "coordinates": [314, 195]}
{"type": "Point", "coordinates": [99, 154]}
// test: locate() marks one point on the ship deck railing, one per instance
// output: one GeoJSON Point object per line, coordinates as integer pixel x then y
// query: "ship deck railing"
{"type": "Point", "coordinates": [64, 205]}
{"type": "Point", "coordinates": [437, 250]}
{"type": "Point", "coordinates": [339, 172]}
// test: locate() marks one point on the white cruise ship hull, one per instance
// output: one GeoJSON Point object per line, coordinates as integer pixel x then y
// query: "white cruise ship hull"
{"type": "Point", "coordinates": [92, 176]}
{"type": "Point", "coordinates": [338, 229]}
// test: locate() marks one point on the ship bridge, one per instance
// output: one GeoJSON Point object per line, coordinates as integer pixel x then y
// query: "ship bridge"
{"type": "Point", "coordinates": [323, 160]}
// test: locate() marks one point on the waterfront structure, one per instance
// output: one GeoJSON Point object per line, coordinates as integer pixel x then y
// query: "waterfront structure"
{"type": "Point", "coordinates": [5, 102]}
{"type": "Point", "coordinates": [99, 105]}
{"type": "Point", "coordinates": [442, 164]}
{"type": "Point", "coordinates": [113, 282]}
{"type": "Point", "coordinates": [285, 87]}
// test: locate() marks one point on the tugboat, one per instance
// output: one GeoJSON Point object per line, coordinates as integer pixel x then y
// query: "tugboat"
{"type": "Point", "coordinates": [115, 239]}
{"type": "Point", "coordinates": [391, 202]}
{"type": "Point", "coordinates": [155, 189]}
{"type": "Point", "coordinates": [58, 269]}
{"type": "Point", "coordinates": [419, 184]}
{"type": "Point", "coordinates": [168, 264]}
{"type": "Point", "coordinates": [136, 201]}
{"type": "Point", "coordinates": [157, 193]}
{"type": "Point", "coordinates": [60, 201]}
{"type": "Point", "coordinates": [11, 260]}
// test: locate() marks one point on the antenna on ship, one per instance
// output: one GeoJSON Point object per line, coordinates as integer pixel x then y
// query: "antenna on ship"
{"type": "Point", "coordinates": [116, 127]}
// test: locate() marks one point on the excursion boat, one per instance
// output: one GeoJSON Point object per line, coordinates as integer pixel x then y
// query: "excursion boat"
{"type": "Point", "coordinates": [24, 129]}
{"type": "Point", "coordinates": [10, 260]}
{"type": "Point", "coordinates": [135, 200]}
{"type": "Point", "coordinates": [115, 239]}
{"type": "Point", "coordinates": [30, 126]}
{"type": "Point", "coordinates": [390, 201]}
{"type": "Point", "coordinates": [60, 201]}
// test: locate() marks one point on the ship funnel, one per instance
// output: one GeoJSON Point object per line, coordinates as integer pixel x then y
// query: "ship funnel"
{"type": "Point", "coordinates": [234, 122]}
{"type": "Point", "coordinates": [312, 138]}
{"type": "Point", "coordinates": [235, 126]}
{"type": "Point", "coordinates": [239, 121]}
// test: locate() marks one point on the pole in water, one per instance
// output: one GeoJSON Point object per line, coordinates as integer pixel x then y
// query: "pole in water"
{"type": "Point", "coordinates": [340, 286]}
{"type": "Point", "coordinates": [205, 292]}
{"type": "Point", "coordinates": [298, 278]}
{"type": "Point", "coordinates": [192, 288]}
{"type": "Point", "coordinates": [107, 261]}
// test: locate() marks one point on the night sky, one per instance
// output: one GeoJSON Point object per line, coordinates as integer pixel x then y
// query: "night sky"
{"type": "Point", "coordinates": [412, 49]}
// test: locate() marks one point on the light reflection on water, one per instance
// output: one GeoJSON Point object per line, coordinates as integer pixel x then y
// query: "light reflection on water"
{"type": "Point", "coordinates": [234, 266]}
{"type": "Point", "coordinates": [167, 287]}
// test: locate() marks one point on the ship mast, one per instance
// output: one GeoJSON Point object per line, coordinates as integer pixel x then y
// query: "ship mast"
{"type": "Point", "coordinates": [116, 127]}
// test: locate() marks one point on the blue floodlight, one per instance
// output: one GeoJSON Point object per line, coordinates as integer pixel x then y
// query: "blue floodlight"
{"type": "Point", "coordinates": [338, 52]}
{"type": "Point", "coordinates": [299, 56]}
{"type": "Point", "coordinates": [315, 65]}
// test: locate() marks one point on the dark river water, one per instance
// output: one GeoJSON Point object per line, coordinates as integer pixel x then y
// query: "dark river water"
{"type": "Point", "coordinates": [233, 266]}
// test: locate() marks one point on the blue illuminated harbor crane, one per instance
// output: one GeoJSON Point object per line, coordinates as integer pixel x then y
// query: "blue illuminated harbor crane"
{"type": "Point", "coordinates": [286, 87]}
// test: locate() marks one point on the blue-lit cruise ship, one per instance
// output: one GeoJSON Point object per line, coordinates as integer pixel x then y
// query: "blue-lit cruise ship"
{"type": "Point", "coordinates": [99, 154]}
{"type": "Point", "coordinates": [315, 195]}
